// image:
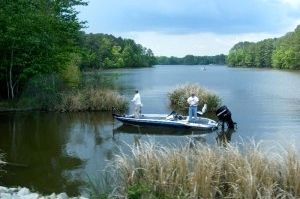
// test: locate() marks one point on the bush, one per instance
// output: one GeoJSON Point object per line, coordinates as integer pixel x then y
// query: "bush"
{"type": "Point", "coordinates": [71, 74]}
{"type": "Point", "coordinates": [178, 97]}
{"type": "Point", "coordinates": [42, 92]}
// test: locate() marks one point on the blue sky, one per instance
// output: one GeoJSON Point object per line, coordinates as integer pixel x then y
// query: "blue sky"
{"type": "Point", "coordinates": [198, 27]}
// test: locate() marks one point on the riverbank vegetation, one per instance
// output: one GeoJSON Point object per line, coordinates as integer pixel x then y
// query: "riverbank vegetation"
{"type": "Point", "coordinates": [178, 97]}
{"type": "Point", "coordinates": [202, 171]}
{"type": "Point", "coordinates": [44, 56]}
{"type": "Point", "coordinates": [192, 60]}
{"type": "Point", "coordinates": [36, 37]}
{"type": "Point", "coordinates": [91, 100]}
{"type": "Point", "coordinates": [282, 53]}
{"type": "Point", "coordinates": [91, 93]}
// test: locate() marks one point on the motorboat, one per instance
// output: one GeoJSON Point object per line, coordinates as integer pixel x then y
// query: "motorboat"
{"type": "Point", "coordinates": [172, 120]}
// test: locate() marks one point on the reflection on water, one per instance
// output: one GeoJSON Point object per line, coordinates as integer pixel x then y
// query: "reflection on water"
{"type": "Point", "coordinates": [59, 150]}
{"type": "Point", "coordinates": [156, 130]}
{"type": "Point", "coordinates": [224, 136]}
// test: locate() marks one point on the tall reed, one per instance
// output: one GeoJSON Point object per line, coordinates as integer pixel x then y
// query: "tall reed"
{"type": "Point", "coordinates": [91, 99]}
{"type": "Point", "coordinates": [250, 171]}
{"type": "Point", "coordinates": [178, 97]}
{"type": "Point", "coordinates": [2, 163]}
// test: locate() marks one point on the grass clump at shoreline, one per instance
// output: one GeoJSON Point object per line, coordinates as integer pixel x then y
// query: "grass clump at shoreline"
{"type": "Point", "coordinates": [178, 97]}
{"type": "Point", "coordinates": [2, 163]}
{"type": "Point", "coordinates": [152, 171]}
{"type": "Point", "coordinates": [50, 93]}
{"type": "Point", "coordinates": [91, 100]}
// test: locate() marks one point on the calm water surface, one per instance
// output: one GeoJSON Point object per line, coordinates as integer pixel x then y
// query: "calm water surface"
{"type": "Point", "coordinates": [57, 151]}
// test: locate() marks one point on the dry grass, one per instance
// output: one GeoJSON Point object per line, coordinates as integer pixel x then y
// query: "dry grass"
{"type": "Point", "coordinates": [178, 97]}
{"type": "Point", "coordinates": [2, 163]}
{"type": "Point", "coordinates": [152, 171]}
{"type": "Point", "coordinates": [92, 100]}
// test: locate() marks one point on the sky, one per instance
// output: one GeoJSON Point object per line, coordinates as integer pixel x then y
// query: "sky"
{"type": "Point", "coordinates": [191, 27]}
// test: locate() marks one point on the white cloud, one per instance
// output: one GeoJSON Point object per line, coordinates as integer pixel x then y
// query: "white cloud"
{"type": "Point", "coordinates": [292, 3]}
{"type": "Point", "coordinates": [198, 27]}
{"type": "Point", "coordinates": [190, 16]}
{"type": "Point", "coordinates": [194, 44]}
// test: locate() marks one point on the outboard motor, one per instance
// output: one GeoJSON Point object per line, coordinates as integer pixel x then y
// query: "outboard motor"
{"type": "Point", "coordinates": [224, 115]}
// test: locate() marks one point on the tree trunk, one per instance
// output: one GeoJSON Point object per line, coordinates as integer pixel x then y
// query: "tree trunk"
{"type": "Point", "coordinates": [7, 86]}
{"type": "Point", "coordinates": [11, 87]}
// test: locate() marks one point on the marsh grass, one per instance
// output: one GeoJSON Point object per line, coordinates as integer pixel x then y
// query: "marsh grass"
{"type": "Point", "coordinates": [248, 171]}
{"type": "Point", "coordinates": [91, 100]}
{"type": "Point", "coordinates": [2, 163]}
{"type": "Point", "coordinates": [99, 186]}
{"type": "Point", "coordinates": [178, 97]}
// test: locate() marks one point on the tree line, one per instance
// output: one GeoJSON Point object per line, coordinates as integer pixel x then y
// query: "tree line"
{"type": "Point", "coordinates": [106, 51]}
{"type": "Point", "coordinates": [282, 53]}
{"type": "Point", "coordinates": [191, 60]}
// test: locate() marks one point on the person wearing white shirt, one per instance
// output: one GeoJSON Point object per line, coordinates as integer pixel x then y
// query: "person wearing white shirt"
{"type": "Point", "coordinates": [137, 104]}
{"type": "Point", "coordinates": [193, 103]}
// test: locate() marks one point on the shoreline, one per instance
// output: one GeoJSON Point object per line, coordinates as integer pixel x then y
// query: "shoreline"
{"type": "Point", "coordinates": [23, 192]}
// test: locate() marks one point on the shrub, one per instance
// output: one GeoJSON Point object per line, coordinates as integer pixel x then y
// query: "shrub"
{"type": "Point", "coordinates": [71, 74]}
{"type": "Point", "coordinates": [178, 97]}
{"type": "Point", "coordinates": [42, 92]}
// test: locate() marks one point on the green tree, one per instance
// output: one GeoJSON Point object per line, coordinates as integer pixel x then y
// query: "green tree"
{"type": "Point", "coordinates": [107, 51]}
{"type": "Point", "coordinates": [191, 60]}
{"type": "Point", "coordinates": [283, 52]}
{"type": "Point", "coordinates": [36, 37]}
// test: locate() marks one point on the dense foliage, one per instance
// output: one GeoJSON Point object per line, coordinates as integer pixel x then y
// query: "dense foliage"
{"type": "Point", "coordinates": [42, 40]}
{"type": "Point", "coordinates": [281, 53]}
{"type": "Point", "coordinates": [107, 51]}
{"type": "Point", "coordinates": [191, 60]}
{"type": "Point", "coordinates": [36, 37]}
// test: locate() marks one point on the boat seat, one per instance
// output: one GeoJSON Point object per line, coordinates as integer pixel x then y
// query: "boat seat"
{"type": "Point", "coordinates": [170, 117]}
{"type": "Point", "coordinates": [174, 117]}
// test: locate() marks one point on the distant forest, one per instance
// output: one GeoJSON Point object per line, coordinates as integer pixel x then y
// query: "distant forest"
{"type": "Point", "coordinates": [283, 52]}
{"type": "Point", "coordinates": [101, 51]}
{"type": "Point", "coordinates": [191, 60]}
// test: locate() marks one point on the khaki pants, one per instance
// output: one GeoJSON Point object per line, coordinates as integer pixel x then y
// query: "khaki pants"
{"type": "Point", "coordinates": [137, 111]}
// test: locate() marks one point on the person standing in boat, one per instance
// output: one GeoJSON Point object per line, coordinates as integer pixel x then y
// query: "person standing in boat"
{"type": "Point", "coordinates": [193, 103]}
{"type": "Point", "coordinates": [137, 104]}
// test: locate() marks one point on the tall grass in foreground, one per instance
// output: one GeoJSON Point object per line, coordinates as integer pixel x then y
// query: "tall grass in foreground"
{"type": "Point", "coordinates": [2, 163]}
{"type": "Point", "coordinates": [178, 97]}
{"type": "Point", "coordinates": [152, 171]}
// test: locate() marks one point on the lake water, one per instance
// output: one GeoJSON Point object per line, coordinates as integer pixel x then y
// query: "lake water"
{"type": "Point", "coordinates": [57, 152]}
